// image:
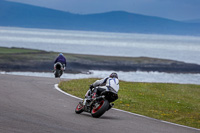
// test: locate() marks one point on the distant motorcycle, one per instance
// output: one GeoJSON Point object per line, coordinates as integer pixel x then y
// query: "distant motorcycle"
{"type": "Point", "coordinates": [58, 70]}
{"type": "Point", "coordinates": [98, 105]}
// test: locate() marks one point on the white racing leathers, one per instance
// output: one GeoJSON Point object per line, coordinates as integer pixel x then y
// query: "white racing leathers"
{"type": "Point", "coordinates": [106, 83]}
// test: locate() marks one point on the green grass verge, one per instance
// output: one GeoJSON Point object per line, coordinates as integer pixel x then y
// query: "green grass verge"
{"type": "Point", "coordinates": [177, 103]}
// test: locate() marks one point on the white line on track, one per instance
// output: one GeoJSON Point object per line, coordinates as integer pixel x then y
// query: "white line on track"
{"type": "Point", "coordinates": [57, 88]}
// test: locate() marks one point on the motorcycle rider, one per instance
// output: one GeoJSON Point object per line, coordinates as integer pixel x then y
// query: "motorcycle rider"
{"type": "Point", "coordinates": [100, 85]}
{"type": "Point", "coordinates": [61, 58]}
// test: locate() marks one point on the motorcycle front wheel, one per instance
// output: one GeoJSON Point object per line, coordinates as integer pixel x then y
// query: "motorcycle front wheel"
{"type": "Point", "coordinates": [101, 109]}
{"type": "Point", "coordinates": [79, 108]}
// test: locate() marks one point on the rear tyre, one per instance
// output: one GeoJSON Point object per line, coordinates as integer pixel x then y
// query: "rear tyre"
{"type": "Point", "coordinates": [101, 109]}
{"type": "Point", "coordinates": [79, 108]}
{"type": "Point", "coordinates": [58, 73]}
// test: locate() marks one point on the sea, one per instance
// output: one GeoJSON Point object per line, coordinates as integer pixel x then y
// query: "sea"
{"type": "Point", "coordinates": [173, 47]}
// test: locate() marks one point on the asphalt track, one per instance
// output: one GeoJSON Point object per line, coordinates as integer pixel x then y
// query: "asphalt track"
{"type": "Point", "coordinates": [33, 105]}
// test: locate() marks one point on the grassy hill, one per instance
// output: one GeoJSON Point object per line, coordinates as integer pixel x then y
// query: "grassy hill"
{"type": "Point", "coordinates": [19, 59]}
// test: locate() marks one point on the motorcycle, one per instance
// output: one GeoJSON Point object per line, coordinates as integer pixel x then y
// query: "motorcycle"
{"type": "Point", "coordinates": [98, 104]}
{"type": "Point", "coordinates": [58, 69]}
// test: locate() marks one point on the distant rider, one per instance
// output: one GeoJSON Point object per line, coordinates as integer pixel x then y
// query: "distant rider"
{"type": "Point", "coordinates": [99, 86]}
{"type": "Point", "coordinates": [61, 59]}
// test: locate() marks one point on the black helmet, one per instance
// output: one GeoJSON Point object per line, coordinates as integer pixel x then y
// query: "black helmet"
{"type": "Point", "coordinates": [113, 75]}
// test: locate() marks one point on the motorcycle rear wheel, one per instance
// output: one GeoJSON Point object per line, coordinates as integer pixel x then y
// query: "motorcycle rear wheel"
{"type": "Point", "coordinates": [58, 73]}
{"type": "Point", "coordinates": [101, 109]}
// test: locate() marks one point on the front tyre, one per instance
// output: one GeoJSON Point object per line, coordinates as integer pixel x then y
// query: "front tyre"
{"type": "Point", "coordinates": [101, 109]}
{"type": "Point", "coordinates": [79, 108]}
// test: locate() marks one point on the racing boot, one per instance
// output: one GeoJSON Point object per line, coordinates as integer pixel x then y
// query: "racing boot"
{"type": "Point", "coordinates": [110, 106]}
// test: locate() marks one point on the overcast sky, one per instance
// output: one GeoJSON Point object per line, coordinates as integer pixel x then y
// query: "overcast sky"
{"type": "Point", "coordinates": [172, 9]}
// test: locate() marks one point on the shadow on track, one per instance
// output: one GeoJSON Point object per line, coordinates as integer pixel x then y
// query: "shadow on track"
{"type": "Point", "coordinates": [102, 117]}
